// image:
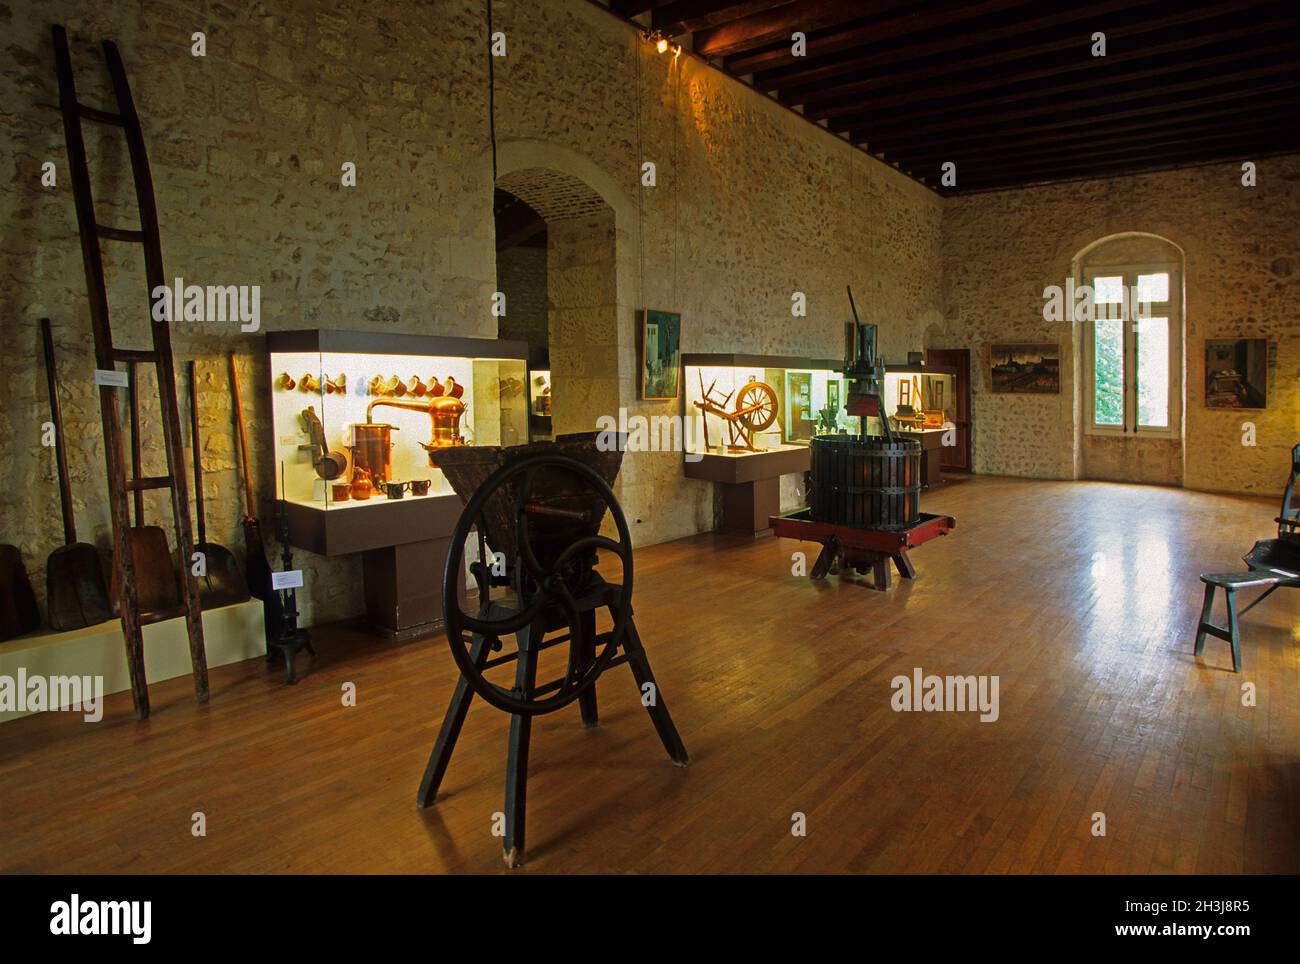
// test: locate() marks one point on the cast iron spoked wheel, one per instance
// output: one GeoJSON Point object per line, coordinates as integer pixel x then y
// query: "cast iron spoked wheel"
{"type": "Point", "coordinates": [759, 397]}
{"type": "Point", "coordinates": [543, 584]}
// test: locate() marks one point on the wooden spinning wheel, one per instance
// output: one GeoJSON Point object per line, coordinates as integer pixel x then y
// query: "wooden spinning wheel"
{"type": "Point", "coordinates": [536, 518]}
{"type": "Point", "coordinates": [754, 411]}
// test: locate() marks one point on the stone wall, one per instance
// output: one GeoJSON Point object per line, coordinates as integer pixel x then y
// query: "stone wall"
{"type": "Point", "coordinates": [1241, 248]}
{"type": "Point", "coordinates": [751, 204]}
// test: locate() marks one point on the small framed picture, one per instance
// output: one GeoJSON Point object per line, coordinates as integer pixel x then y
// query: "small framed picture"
{"type": "Point", "coordinates": [1030, 368]}
{"type": "Point", "coordinates": [1236, 373]}
{"type": "Point", "coordinates": [661, 354]}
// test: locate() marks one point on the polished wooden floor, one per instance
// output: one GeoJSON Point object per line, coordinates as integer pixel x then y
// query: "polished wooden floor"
{"type": "Point", "coordinates": [1080, 597]}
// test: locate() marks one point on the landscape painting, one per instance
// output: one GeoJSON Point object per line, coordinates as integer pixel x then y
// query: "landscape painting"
{"type": "Point", "coordinates": [1032, 368]}
{"type": "Point", "coordinates": [661, 354]}
{"type": "Point", "coordinates": [1236, 372]}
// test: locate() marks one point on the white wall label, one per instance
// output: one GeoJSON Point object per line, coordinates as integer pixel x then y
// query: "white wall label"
{"type": "Point", "coordinates": [112, 379]}
{"type": "Point", "coordinates": [287, 580]}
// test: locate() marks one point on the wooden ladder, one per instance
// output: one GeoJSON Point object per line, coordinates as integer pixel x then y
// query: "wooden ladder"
{"type": "Point", "coordinates": [107, 356]}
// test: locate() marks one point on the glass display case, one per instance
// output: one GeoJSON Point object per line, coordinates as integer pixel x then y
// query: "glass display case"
{"type": "Point", "coordinates": [357, 414]}
{"type": "Point", "coordinates": [748, 421]}
{"type": "Point", "coordinates": [539, 404]}
{"type": "Point", "coordinates": [741, 405]}
{"type": "Point", "coordinates": [919, 397]}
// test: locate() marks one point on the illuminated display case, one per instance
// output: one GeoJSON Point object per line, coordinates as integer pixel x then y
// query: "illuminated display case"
{"type": "Point", "coordinates": [539, 404]}
{"type": "Point", "coordinates": [355, 416]}
{"type": "Point", "coordinates": [742, 405]}
{"type": "Point", "coordinates": [920, 400]}
{"type": "Point", "coordinates": [920, 397]}
{"type": "Point", "coordinates": [747, 421]}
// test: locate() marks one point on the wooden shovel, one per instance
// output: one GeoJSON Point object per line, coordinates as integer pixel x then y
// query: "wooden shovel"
{"type": "Point", "coordinates": [222, 584]}
{"type": "Point", "coordinates": [75, 593]}
{"type": "Point", "coordinates": [155, 575]}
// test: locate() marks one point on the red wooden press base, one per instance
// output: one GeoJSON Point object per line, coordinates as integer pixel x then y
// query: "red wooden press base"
{"type": "Point", "coordinates": [862, 549]}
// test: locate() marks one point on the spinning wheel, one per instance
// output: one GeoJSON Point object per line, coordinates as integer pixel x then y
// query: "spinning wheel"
{"type": "Point", "coordinates": [755, 410]}
{"type": "Point", "coordinates": [756, 406]}
{"type": "Point", "coordinates": [535, 512]}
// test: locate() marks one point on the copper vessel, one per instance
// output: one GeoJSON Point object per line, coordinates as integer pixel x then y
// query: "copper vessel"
{"type": "Point", "coordinates": [444, 413]}
{"type": "Point", "coordinates": [361, 487]}
{"type": "Point", "coordinates": [372, 449]}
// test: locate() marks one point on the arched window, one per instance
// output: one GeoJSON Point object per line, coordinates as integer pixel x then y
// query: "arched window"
{"type": "Point", "coordinates": [1132, 344]}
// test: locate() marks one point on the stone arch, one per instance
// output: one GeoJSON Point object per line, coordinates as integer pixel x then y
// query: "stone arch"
{"type": "Point", "coordinates": [555, 195]}
{"type": "Point", "coordinates": [588, 274]}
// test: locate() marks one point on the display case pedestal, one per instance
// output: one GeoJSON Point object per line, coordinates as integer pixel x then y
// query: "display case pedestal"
{"type": "Point", "coordinates": [403, 546]}
{"type": "Point", "coordinates": [746, 506]}
{"type": "Point", "coordinates": [404, 588]}
{"type": "Point", "coordinates": [750, 484]}
{"type": "Point", "coordinates": [931, 449]}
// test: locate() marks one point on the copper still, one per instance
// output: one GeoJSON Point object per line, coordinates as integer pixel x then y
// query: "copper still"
{"type": "Point", "coordinates": [444, 413]}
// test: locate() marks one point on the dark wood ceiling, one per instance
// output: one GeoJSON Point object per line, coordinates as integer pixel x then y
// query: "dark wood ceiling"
{"type": "Point", "coordinates": [1009, 90]}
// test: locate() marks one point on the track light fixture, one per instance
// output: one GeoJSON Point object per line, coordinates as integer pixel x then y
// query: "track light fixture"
{"type": "Point", "coordinates": [662, 43]}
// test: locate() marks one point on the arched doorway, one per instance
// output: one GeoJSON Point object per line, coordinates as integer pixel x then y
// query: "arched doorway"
{"type": "Point", "coordinates": [1132, 359]}
{"type": "Point", "coordinates": [575, 268]}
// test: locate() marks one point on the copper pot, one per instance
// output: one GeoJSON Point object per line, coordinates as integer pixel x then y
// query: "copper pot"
{"type": "Point", "coordinates": [372, 449]}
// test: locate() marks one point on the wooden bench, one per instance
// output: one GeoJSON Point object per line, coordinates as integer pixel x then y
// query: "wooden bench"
{"type": "Point", "coordinates": [1230, 582]}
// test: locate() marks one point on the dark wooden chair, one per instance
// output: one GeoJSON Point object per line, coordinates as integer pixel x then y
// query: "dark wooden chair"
{"type": "Point", "coordinates": [1272, 564]}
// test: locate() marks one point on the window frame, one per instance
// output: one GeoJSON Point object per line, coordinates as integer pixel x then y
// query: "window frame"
{"type": "Point", "coordinates": [1173, 311]}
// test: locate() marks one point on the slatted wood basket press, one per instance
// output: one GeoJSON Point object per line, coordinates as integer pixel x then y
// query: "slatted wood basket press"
{"type": "Point", "coordinates": [865, 481]}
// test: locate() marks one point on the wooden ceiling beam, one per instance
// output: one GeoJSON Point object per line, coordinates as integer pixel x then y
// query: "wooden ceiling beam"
{"type": "Point", "coordinates": [1266, 110]}
{"type": "Point", "coordinates": [936, 100]}
{"type": "Point", "coordinates": [1130, 20]}
{"type": "Point", "coordinates": [912, 20]}
{"type": "Point", "coordinates": [1067, 116]}
{"type": "Point", "coordinates": [1175, 129]}
{"type": "Point", "coordinates": [779, 22]}
{"type": "Point", "coordinates": [1227, 145]}
{"type": "Point", "coordinates": [1038, 60]}
{"type": "Point", "coordinates": [961, 117]}
{"type": "Point", "coordinates": [688, 16]}
{"type": "Point", "coordinates": [1115, 169]}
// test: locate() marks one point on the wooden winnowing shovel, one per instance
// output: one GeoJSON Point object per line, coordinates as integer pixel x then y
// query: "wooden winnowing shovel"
{"type": "Point", "coordinates": [75, 593]}
{"type": "Point", "coordinates": [155, 574]}
{"type": "Point", "coordinates": [222, 584]}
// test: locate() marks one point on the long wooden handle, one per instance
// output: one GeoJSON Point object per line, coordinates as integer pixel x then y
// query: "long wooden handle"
{"type": "Point", "coordinates": [60, 456]}
{"type": "Point", "coordinates": [133, 390]}
{"type": "Point", "coordinates": [250, 511]}
{"type": "Point", "coordinates": [196, 449]}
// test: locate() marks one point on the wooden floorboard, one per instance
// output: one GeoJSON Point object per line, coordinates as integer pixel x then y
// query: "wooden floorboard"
{"type": "Point", "coordinates": [1081, 597]}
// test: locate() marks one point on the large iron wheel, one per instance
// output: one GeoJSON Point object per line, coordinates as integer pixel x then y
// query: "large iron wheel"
{"type": "Point", "coordinates": [756, 405]}
{"type": "Point", "coordinates": [539, 585]}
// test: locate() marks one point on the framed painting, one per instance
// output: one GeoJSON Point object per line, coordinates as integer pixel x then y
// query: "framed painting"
{"type": "Point", "coordinates": [661, 355]}
{"type": "Point", "coordinates": [1236, 373]}
{"type": "Point", "coordinates": [1029, 368]}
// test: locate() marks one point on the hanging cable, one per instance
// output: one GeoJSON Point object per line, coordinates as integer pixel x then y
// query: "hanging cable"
{"type": "Point", "coordinates": [640, 190]}
{"type": "Point", "coordinates": [677, 177]}
{"type": "Point", "coordinates": [492, 107]}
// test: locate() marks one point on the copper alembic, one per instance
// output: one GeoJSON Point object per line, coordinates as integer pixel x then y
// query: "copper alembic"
{"type": "Point", "coordinates": [444, 413]}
